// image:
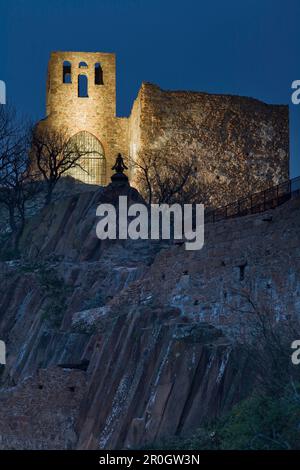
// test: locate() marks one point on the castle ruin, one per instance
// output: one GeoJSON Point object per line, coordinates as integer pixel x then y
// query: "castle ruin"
{"type": "Point", "coordinates": [241, 144]}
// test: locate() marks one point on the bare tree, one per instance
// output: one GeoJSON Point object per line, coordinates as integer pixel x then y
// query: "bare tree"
{"type": "Point", "coordinates": [16, 187]}
{"type": "Point", "coordinates": [53, 155]}
{"type": "Point", "coordinates": [9, 132]}
{"type": "Point", "coordinates": [268, 341]}
{"type": "Point", "coordinates": [169, 179]}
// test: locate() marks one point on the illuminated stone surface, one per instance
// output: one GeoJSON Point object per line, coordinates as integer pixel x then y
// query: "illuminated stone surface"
{"type": "Point", "coordinates": [242, 144]}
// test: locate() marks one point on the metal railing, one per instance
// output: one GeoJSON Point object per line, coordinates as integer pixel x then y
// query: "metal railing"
{"type": "Point", "coordinates": [257, 202]}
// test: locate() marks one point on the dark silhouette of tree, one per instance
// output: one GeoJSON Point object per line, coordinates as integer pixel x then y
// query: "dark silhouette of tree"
{"type": "Point", "coordinates": [8, 133]}
{"type": "Point", "coordinates": [164, 179]}
{"type": "Point", "coordinates": [53, 155]}
{"type": "Point", "coordinates": [17, 186]}
{"type": "Point", "coordinates": [268, 340]}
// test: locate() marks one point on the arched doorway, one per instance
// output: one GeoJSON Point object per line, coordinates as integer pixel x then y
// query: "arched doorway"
{"type": "Point", "coordinates": [92, 169]}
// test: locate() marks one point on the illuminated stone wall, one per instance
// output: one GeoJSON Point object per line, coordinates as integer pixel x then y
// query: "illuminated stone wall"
{"type": "Point", "coordinates": [242, 144]}
{"type": "Point", "coordinates": [96, 113]}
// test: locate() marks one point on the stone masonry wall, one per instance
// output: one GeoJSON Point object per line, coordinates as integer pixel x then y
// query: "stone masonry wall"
{"type": "Point", "coordinates": [41, 411]}
{"type": "Point", "coordinates": [242, 144]}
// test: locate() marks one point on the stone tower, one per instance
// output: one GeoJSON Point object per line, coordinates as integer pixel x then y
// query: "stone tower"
{"type": "Point", "coordinates": [81, 100]}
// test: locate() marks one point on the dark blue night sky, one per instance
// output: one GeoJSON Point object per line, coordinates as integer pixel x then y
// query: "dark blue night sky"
{"type": "Point", "coordinates": [244, 47]}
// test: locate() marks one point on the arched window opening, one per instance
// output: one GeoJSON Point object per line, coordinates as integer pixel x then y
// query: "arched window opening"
{"type": "Point", "coordinates": [67, 77]}
{"type": "Point", "coordinates": [82, 86]}
{"type": "Point", "coordinates": [91, 167]}
{"type": "Point", "coordinates": [83, 65]}
{"type": "Point", "coordinates": [98, 74]}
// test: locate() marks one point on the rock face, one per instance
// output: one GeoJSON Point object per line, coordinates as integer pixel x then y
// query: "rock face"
{"type": "Point", "coordinates": [119, 344]}
{"type": "Point", "coordinates": [176, 375]}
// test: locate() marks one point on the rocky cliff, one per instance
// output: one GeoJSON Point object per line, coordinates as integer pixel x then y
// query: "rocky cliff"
{"type": "Point", "coordinates": [120, 344]}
